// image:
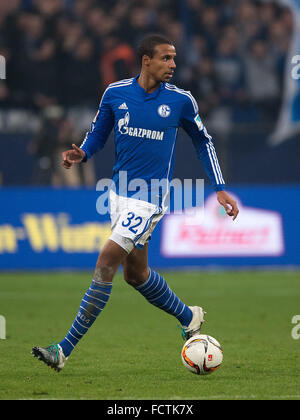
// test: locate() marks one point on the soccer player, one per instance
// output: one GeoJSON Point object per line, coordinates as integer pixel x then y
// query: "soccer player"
{"type": "Point", "coordinates": [145, 113]}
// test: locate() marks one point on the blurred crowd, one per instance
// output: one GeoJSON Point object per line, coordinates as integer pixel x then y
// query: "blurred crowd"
{"type": "Point", "coordinates": [231, 53]}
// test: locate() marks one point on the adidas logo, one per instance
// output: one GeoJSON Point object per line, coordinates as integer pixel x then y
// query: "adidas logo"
{"type": "Point", "coordinates": [123, 106]}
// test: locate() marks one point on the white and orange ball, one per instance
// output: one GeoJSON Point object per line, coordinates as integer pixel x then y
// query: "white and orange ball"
{"type": "Point", "coordinates": [202, 354]}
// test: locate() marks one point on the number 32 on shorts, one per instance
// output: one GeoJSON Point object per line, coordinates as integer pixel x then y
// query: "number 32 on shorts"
{"type": "Point", "coordinates": [132, 222]}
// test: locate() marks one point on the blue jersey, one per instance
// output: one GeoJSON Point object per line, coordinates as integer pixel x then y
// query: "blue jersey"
{"type": "Point", "coordinates": [145, 127]}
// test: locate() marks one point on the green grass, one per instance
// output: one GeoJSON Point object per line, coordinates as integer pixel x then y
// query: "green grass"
{"type": "Point", "coordinates": [133, 349]}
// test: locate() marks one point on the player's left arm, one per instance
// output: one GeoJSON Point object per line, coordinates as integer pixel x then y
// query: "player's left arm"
{"type": "Point", "coordinates": [229, 204]}
{"type": "Point", "coordinates": [206, 153]}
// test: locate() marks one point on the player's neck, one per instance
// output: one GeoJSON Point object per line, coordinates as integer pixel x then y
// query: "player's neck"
{"type": "Point", "coordinates": [147, 82]}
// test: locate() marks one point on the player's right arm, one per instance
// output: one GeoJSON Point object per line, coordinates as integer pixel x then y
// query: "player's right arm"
{"type": "Point", "coordinates": [96, 137]}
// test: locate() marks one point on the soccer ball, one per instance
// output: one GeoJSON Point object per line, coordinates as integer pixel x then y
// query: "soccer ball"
{"type": "Point", "coordinates": [202, 354]}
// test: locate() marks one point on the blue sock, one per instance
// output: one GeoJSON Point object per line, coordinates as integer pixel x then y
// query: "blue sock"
{"type": "Point", "coordinates": [91, 306]}
{"type": "Point", "coordinates": [157, 292]}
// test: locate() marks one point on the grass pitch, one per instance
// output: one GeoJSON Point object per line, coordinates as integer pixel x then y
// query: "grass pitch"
{"type": "Point", "coordinates": [133, 349]}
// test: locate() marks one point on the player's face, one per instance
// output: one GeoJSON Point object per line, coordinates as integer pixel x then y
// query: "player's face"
{"type": "Point", "coordinates": [162, 65]}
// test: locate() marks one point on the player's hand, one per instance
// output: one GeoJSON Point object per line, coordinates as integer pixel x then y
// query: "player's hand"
{"type": "Point", "coordinates": [74, 155]}
{"type": "Point", "coordinates": [228, 203]}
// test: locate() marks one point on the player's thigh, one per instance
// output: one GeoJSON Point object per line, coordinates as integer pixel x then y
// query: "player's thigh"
{"type": "Point", "coordinates": [135, 266]}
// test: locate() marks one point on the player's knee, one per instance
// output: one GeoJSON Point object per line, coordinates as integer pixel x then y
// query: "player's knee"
{"type": "Point", "coordinates": [135, 278]}
{"type": "Point", "coordinates": [103, 272]}
{"type": "Point", "coordinates": [132, 280]}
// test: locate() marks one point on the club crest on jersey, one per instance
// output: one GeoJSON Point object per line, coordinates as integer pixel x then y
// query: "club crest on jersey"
{"type": "Point", "coordinates": [124, 128]}
{"type": "Point", "coordinates": [164, 111]}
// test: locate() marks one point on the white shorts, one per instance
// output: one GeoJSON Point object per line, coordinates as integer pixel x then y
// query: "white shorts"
{"type": "Point", "coordinates": [132, 220]}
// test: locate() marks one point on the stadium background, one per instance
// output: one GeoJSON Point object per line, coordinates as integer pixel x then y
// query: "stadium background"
{"type": "Point", "coordinates": [235, 57]}
{"type": "Point", "coordinates": [60, 54]}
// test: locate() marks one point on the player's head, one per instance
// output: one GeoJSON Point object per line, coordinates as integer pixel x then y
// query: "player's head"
{"type": "Point", "coordinates": [156, 55]}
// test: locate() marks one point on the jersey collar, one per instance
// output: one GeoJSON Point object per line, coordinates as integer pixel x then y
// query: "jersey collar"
{"type": "Point", "coordinates": [147, 96]}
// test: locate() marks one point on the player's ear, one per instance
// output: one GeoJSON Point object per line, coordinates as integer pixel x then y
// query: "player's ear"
{"type": "Point", "coordinates": [146, 60]}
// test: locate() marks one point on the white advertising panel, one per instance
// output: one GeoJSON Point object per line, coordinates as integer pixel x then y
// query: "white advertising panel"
{"type": "Point", "coordinates": [211, 232]}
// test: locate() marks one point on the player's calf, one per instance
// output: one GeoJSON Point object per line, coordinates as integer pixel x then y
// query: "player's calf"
{"type": "Point", "coordinates": [159, 294]}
